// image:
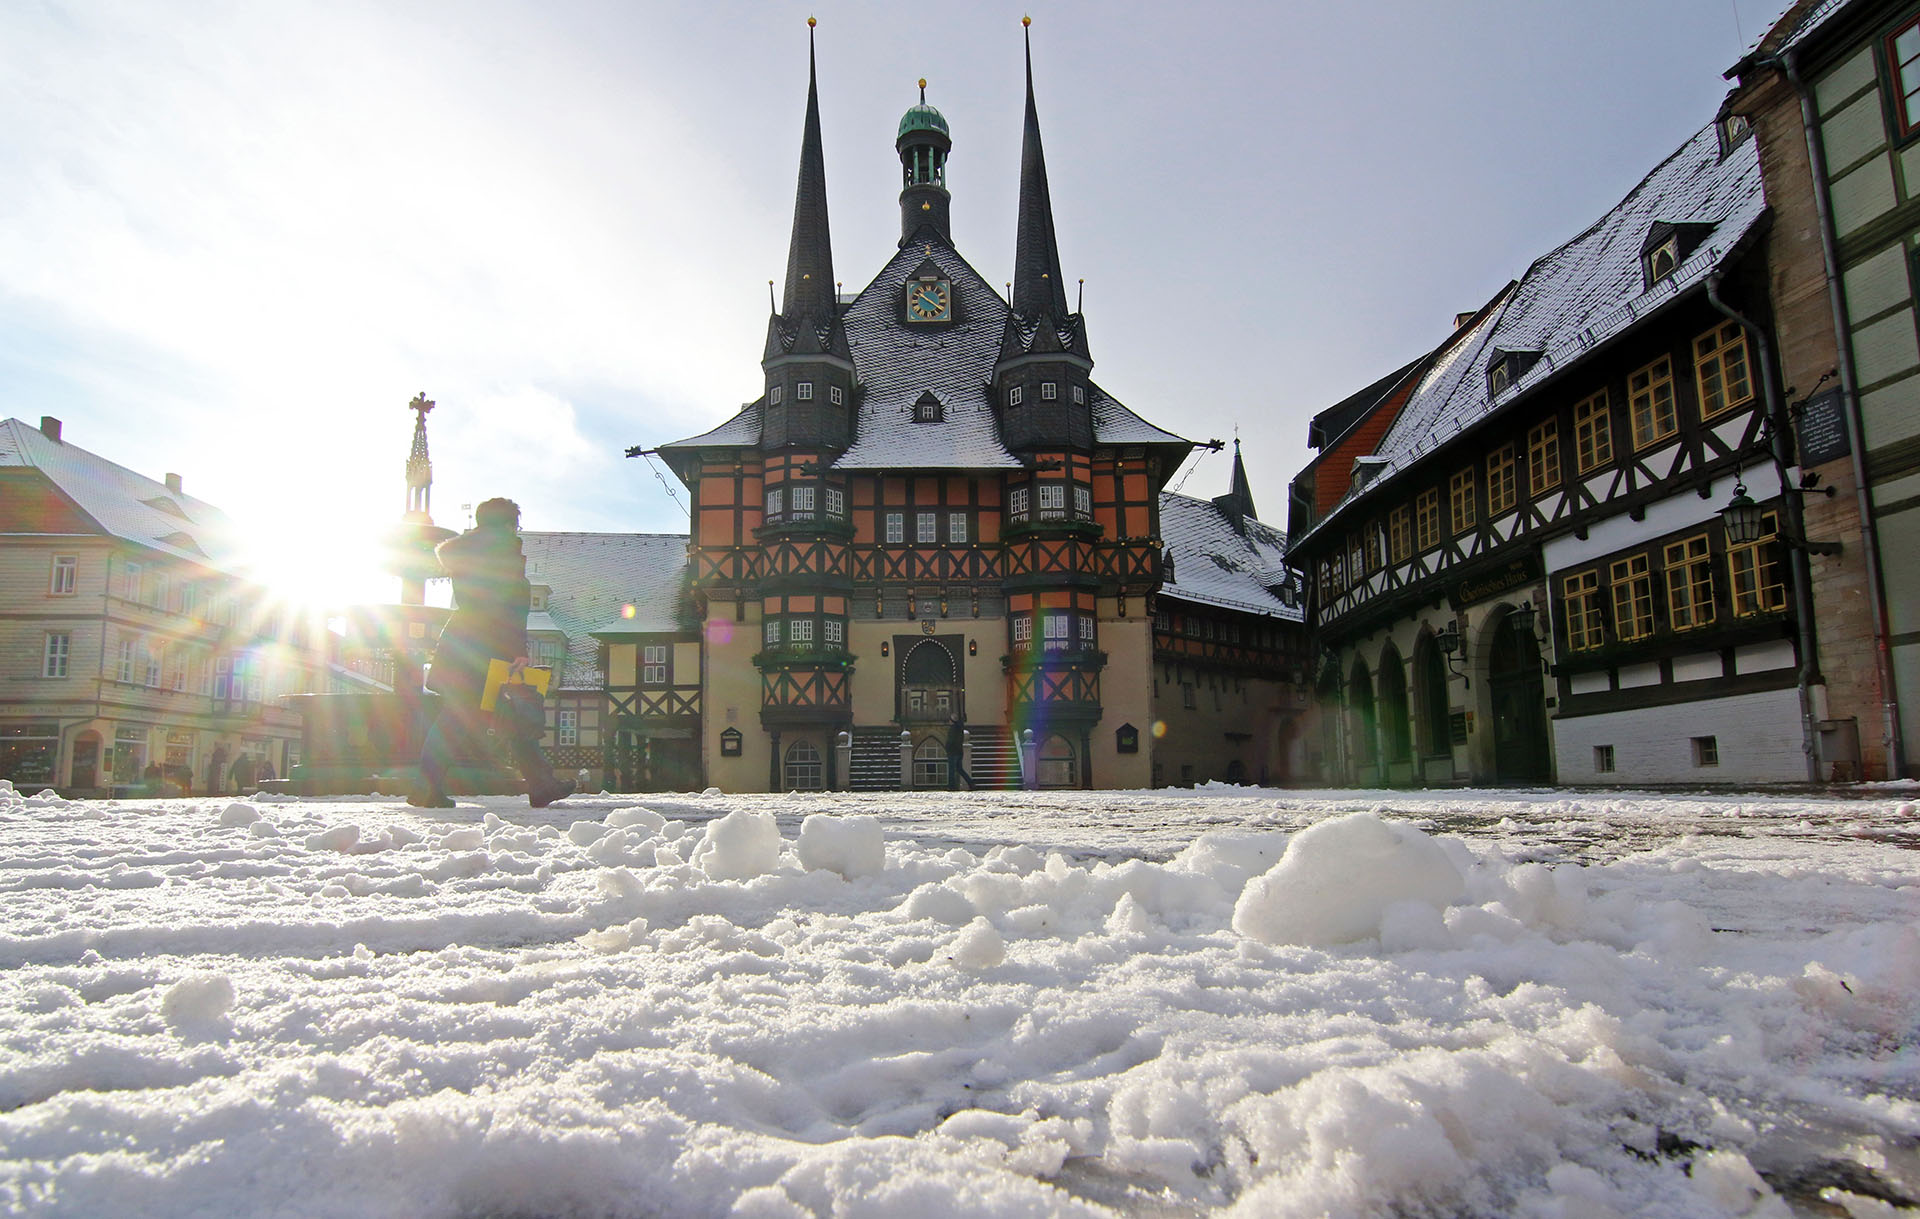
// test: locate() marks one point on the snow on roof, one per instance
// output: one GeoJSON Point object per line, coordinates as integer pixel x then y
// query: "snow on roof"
{"type": "Point", "coordinates": [595, 578]}
{"type": "Point", "coordinates": [743, 430]}
{"type": "Point", "coordinates": [1115, 424]}
{"type": "Point", "coordinates": [898, 362]}
{"type": "Point", "coordinates": [1580, 296]}
{"type": "Point", "coordinates": [1214, 564]}
{"type": "Point", "coordinates": [126, 505]}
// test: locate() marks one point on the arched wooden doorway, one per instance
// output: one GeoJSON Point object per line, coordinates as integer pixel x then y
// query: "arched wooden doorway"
{"type": "Point", "coordinates": [1360, 722]}
{"type": "Point", "coordinates": [1396, 735]}
{"type": "Point", "coordinates": [1518, 706]}
{"type": "Point", "coordinates": [1431, 698]}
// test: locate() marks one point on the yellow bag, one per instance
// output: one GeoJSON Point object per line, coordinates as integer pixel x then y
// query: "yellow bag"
{"type": "Point", "coordinates": [508, 673]}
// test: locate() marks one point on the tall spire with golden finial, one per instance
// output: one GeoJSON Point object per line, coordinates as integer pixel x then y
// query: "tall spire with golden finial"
{"type": "Point", "coordinates": [419, 466]}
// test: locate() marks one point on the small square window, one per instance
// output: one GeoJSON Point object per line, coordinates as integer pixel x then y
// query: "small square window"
{"type": "Point", "coordinates": [1049, 391]}
{"type": "Point", "coordinates": [1706, 751]}
{"type": "Point", "coordinates": [1015, 396]}
{"type": "Point", "coordinates": [1603, 759]}
{"type": "Point", "coordinates": [803, 392]}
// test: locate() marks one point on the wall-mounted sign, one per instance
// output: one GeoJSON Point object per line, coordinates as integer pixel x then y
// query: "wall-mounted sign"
{"type": "Point", "coordinates": [1823, 430]}
{"type": "Point", "coordinates": [1518, 573]}
{"type": "Point", "coordinates": [730, 743]}
{"type": "Point", "coordinates": [1126, 739]}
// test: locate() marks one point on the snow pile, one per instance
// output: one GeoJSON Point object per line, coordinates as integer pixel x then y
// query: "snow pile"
{"type": "Point", "coordinates": [1240, 1003]}
{"type": "Point", "coordinates": [1339, 881]}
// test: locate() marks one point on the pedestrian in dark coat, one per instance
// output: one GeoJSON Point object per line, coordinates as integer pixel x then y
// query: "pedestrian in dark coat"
{"type": "Point", "coordinates": [242, 774]}
{"type": "Point", "coordinates": [489, 622]}
{"type": "Point", "coordinates": [217, 770]}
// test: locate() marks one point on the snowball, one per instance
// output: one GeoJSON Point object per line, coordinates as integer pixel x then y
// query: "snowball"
{"type": "Point", "coordinates": [467, 838]}
{"type": "Point", "coordinates": [239, 813]}
{"type": "Point", "coordinates": [197, 999]}
{"type": "Point", "coordinates": [1336, 880]}
{"type": "Point", "coordinates": [852, 846]}
{"type": "Point", "coordinates": [339, 838]}
{"type": "Point", "coordinates": [979, 946]}
{"type": "Point", "coordinates": [627, 818]}
{"type": "Point", "coordinates": [585, 833]}
{"type": "Point", "coordinates": [939, 903]}
{"type": "Point", "coordinates": [739, 846]}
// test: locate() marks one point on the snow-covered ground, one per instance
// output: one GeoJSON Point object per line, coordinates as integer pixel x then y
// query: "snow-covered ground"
{"type": "Point", "coordinates": [1230, 1001]}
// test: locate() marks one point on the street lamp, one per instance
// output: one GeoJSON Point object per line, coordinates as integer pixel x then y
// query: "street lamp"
{"type": "Point", "coordinates": [1449, 643]}
{"type": "Point", "coordinates": [1742, 517]}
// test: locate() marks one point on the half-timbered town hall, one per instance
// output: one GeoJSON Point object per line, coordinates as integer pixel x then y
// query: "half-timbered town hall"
{"type": "Point", "coordinates": [929, 553]}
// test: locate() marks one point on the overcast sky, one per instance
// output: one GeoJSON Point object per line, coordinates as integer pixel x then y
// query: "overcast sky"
{"type": "Point", "coordinates": [236, 239]}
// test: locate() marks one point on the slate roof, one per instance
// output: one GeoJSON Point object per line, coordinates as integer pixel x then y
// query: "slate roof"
{"type": "Point", "coordinates": [594, 577]}
{"type": "Point", "coordinates": [124, 504]}
{"type": "Point", "coordinates": [1213, 564]}
{"type": "Point", "coordinates": [741, 431]}
{"type": "Point", "coordinates": [897, 363]}
{"type": "Point", "coordinates": [1788, 33]}
{"type": "Point", "coordinates": [1579, 297]}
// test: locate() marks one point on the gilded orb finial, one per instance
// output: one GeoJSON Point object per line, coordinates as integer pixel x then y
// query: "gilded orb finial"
{"type": "Point", "coordinates": [1026, 21]}
{"type": "Point", "coordinates": [811, 22]}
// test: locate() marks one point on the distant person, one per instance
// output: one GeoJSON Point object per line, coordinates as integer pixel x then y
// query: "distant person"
{"type": "Point", "coordinates": [489, 621]}
{"type": "Point", "coordinates": [217, 771]}
{"type": "Point", "coordinates": [242, 774]}
{"type": "Point", "coordinates": [264, 773]}
{"type": "Point", "coordinates": [153, 779]}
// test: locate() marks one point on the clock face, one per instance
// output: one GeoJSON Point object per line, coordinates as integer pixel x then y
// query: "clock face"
{"type": "Point", "coordinates": [929, 300]}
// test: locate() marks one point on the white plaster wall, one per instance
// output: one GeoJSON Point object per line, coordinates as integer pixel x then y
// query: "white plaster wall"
{"type": "Point", "coordinates": [1758, 734]}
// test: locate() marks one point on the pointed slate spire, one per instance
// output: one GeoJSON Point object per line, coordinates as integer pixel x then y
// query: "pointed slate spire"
{"type": "Point", "coordinates": [1237, 503]}
{"type": "Point", "coordinates": [810, 292]}
{"type": "Point", "coordinates": [1037, 286]}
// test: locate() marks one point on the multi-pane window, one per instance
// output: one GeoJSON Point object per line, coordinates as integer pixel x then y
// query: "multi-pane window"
{"type": "Point", "coordinates": [653, 664]}
{"type": "Point", "coordinates": [836, 502]}
{"type": "Point", "coordinates": [1502, 483]}
{"type": "Point", "coordinates": [833, 632]}
{"type": "Point", "coordinates": [1356, 556]}
{"type": "Point", "coordinates": [776, 500]}
{"type": "Point", "coordinates": [802, 499]}
{"type": "Point", "coordinates": [153, 668]}
{"type": "Point", "coordinates": [1426, 511]}
{"type": "Point", "coordinates": [131, 576]}
{"type": "Point", "coordinates": [1053, 500]}
{"type": "Point", "coordinates": [1583, 611]}
{"type": "Point", "coordinates": [800, 632]}
{"type": "Point", "coordinates": [896, 527]}
{"type": "Point", "coordinates": [1022, 631]}
{"type": "Point", "coordinates": [1720, 367]}
{"type": "Point", "coordinates": [62, 582]}
{"type": "Point", "coordinates": [1592, 433]}
{"type": "Point", "coordinates": [1059, 628]}
{"type": "Point", "coordinates": [1650, 404]}
{"type": "Point", "coordinates": [926, 527]}
{"type": "Point", "coordinates": [927, 410]}
{"type": "Point", "coordinates": [1082, 502]}
{"type": "Point", "coordinates": [1049, 391]}
{"type": "Point", "coordinates": [1543, 457]}
{"type": "Point", "coordinates": [1373, 533]}
{"type": "Point", "coordinates": [1015, 396]}
{"type": "Point", "coordinates": [836, 395]}
{"type": "Point", "coordinates": [1460, 494]}
{"type": "Point", "coordinates": [1400, 533]}
{"type": "Point", "coordinates": [1632, 598]}
{"type": "Point", "coordinates": [803, 392]}
{"type": "Point", "coordinates": [123, 668]}
{"type": "Point", "coordinates": [804, 770]}
{"type": "Point", "coordinates": [1689, 583]}
{"type": "Point", "coordinates": [1086, 631]}
{"type": "Point", "coordinates": [1903, 53]}
{"type": "Point", "coordinates": [1706, 751]}
{"type": "Point", "coordinates": [773, 632]}
{"type": "Point", "coordinates": [1755, 575]}
{"type": "Point", "coordinates": [956, 526]}
{"type": "Point", "coordinates": [53, 660]}
{"type": "Point", "coordinates": [1079, 395]}
{"type": "Point", "coordinates": [774, 396]}
{"type": "Point", "coordinates": [566, 728]}
{"type": "Point", "coordinates": [1017, 502]}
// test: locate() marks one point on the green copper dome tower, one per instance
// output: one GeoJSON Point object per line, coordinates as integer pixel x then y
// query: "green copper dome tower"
{"type": "Point", "coordinates": [923, 145]}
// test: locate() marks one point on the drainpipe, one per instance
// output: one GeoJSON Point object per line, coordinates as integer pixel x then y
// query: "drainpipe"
{"type": "Point", "coordinates": [1836, 301]}
{"type": "Point", "coordinates": [1795, 524]}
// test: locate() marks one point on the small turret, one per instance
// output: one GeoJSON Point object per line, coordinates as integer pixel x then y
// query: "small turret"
{"type": "Point", "coordinates": [923, 145]}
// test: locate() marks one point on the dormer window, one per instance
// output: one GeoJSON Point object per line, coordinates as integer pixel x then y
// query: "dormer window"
{"type": "Point", "coordinates": [927, 409]}
{"type": "Point", "coordinates": [1667, 246]}
{"type": "Point", "coordinates": [1015, 396]}
{"type": "Point", "coordinates": [803, 392]}
{"type": "Point", "coordinates": [1734, 129]}
{"type": "Point", "coordinates": [1504, 368]}
{"type": "Point", "coordinates": [1049, 391]}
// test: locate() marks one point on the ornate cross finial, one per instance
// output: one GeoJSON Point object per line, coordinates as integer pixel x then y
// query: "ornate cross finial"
{"type": "Point", "coordinates": [420, 403]}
